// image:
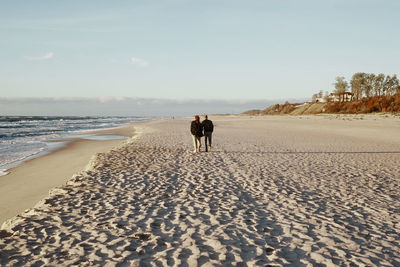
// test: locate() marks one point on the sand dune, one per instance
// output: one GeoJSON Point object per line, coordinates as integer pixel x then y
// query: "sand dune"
{"type": "Point", "coordinates": [274, 191]}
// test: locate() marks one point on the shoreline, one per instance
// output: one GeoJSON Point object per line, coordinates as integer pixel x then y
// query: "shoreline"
{"type": "Point", "coordinates": [29, 182]}
{"type": "Point", "coordinates": [272, 191]}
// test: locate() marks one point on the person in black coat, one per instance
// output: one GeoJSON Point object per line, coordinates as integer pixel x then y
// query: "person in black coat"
{"type": "Point", "coordinates": [208, 128]}
{"type": "Point", "coordinates": [196, 128]}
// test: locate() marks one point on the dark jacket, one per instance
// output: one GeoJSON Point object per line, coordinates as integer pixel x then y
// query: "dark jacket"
{"type": "Point", "coordinates": [208, 126]}
{"type": "Point", "coordinates": [196, 129]}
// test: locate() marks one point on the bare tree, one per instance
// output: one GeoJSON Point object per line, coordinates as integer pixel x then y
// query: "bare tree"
{"type": "Point", "coordinates": [378, 84]}
{"type": "Point", "coordinates": [357, 84]}
{"type": "Point", "coordinates": [387, 85]}
{"type": "Point", "coordinates": [340, 87]}
{"type": "Point", "coordinates": [391, 85]}
{"type": "Point", "coordinates": [395, 85]}
{"type": "Point", "coordinates": [368, 85]}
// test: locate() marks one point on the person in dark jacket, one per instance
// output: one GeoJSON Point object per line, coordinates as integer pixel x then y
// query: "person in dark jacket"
{"type": "Point", "coordinates": [196, 128]}
{"type": "Point", "coordinates": [208, 128]}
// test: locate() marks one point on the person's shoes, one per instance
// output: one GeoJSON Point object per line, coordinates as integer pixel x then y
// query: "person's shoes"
{"type": "Point", "coordinates": [194, 151]}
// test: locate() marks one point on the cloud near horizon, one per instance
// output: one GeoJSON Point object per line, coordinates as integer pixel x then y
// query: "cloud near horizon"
{"type": "Point", "coordinates": [123, 106]}
{"type": "Point", "coordinates": [139, 62]}
{"type": "Point", "coordinates": [49, 55]}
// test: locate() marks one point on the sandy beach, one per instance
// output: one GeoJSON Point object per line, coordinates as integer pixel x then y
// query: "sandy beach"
{"type": "Point", "coordinates": [273, 191]}
{"type": "Point", "coordinates": [30, 182]}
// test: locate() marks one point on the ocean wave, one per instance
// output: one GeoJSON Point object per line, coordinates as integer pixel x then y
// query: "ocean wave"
{"type": "Point", "coordinates": [39, 118]}
{"type": "Point", "coordinates": [58, 118]}
{"type": "Point", "coordinates": [30, 126]}
{"type": "Point", "coordinates": [24, 136]}
{"type": "Point", "coordinates": [17, 126]}
{"type": "Point", "coordinates": [19, 156]}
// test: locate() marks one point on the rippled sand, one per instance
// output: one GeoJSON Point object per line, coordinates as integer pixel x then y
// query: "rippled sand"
{"type": "Point", "coordinates": [273, 191]}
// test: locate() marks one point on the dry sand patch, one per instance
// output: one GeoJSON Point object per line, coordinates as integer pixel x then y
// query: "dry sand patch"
{"type": "Point", "coordinates": [271, 192]}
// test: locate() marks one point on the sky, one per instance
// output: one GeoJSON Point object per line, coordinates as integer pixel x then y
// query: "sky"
{"type": "Point", "coordinates": [125, 106]}
{"type": "Point", "coordinates": [183, 50]}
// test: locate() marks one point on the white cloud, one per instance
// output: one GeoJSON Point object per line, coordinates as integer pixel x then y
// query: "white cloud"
{"type": "Point", "coordinates": [108, 99]}
{"type": "Point", "coordinates": [49, 55]}
{"type": "Point", "coordinates": [139, 62]}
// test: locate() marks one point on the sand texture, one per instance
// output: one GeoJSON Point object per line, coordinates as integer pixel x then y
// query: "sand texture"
{"type": "Point", "coordinates": [274, 191]}
{"type": "Point", "coordinates": [30, 182]}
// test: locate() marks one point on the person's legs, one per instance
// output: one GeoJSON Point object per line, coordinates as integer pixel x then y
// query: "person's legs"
{"type": "Point", "coordinates": [198, 143]}
{"type": "Point", "coordinates": [194, 143]}
{"type": "Point", "coordinates": [205, 141]}
{"type": "Point", "coordinates": [207, 136]}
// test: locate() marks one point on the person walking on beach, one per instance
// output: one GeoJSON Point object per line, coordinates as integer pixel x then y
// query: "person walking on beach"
{"type": "Point", "coordinates": [208, 127]}
{"type": "Point", "coordinates": [196, 128]}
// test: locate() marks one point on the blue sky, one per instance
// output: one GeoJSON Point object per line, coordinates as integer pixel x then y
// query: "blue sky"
{"type": "Point", "coordinates": [177, 49]}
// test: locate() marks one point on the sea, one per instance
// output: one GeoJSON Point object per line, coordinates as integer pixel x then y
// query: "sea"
{"type": "Point", "coordinates": [25, 137]}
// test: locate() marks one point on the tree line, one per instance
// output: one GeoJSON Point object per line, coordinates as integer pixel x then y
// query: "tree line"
{"type": "Point", "coordinates": [368, 85]}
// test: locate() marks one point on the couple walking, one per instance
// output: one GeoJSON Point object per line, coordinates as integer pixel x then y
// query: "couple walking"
{"type": "Point", "coordinates": [197, 128]}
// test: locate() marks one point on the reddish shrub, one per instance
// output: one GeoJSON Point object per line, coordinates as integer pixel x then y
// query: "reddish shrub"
{"type": "Point", "coordinates": [366, 105]}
